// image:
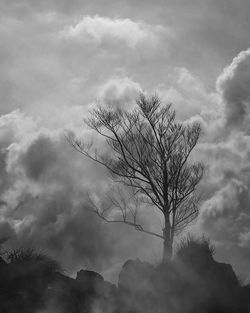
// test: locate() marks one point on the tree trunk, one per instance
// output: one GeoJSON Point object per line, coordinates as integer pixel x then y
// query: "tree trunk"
{"type": "Point", "coordinates": [167, 244]}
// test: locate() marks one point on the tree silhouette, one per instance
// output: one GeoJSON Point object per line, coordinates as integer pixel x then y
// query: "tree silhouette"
{"type": "Point", "coordinates": [148, 153]}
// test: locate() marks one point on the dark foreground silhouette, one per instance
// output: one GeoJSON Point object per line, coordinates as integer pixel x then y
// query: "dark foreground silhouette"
{"type": "Point", "coordinates": [193, 282]}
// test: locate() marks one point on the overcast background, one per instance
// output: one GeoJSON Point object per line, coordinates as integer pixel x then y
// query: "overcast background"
{"type": "Point", "coordinates": [59, 57]}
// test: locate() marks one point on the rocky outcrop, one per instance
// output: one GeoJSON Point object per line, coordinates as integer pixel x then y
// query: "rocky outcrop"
{"type": "Point", "coordinates": [194, 284]}
{"type": "Point", "coordinates": [224, 271]}
{"type": "Point", "coordinates": [180, 288]}
{"type": "Point", "coordinates": [93, 282]}
{"type": "Point", "coordinates": [88, 292]}
{"type": "Point", "coordinates": [90, 281]}
{"type": "Point", "coordinates": [88, 277]}
{"type": "Point", "coordinates": [136, 275]}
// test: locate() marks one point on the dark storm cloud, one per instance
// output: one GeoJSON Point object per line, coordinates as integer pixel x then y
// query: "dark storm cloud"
{"type": "Point", "coordinates": [66, 231]}
{"type": "Point", "coordinates": [43, 201]}
{"type": "Point", "coordinates": [48, 210]}
{"type": "Point", "coordinates": [40, 157]}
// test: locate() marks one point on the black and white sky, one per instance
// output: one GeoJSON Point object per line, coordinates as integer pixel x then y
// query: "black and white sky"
{"type": "Point", "coordinates": [58, 58]}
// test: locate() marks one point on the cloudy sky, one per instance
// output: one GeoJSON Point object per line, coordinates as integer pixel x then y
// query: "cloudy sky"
{"type": "Point", "coordinates": [58, 58]}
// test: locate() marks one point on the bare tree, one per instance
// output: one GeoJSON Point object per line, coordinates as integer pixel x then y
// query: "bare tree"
{"type": "Point", "coordinates": [149, 153]}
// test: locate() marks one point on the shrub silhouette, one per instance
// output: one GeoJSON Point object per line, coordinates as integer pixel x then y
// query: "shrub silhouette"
{"type": "Point", "coordinates": [26, 275]}
{"type": "Point", "coordinates": [195, 252]}
{"type": "Point", "coordinates": [31, 261]}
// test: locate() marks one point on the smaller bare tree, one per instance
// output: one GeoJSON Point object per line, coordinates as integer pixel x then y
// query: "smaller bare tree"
{"type": "Point", "coordinates": [149, 152]}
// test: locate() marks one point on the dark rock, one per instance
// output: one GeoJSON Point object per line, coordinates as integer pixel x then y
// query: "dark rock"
{"type": "Point", "coordinates": [88, 277]}
{"type": "Point", "coordinates": [200, 286]}
{"type": "Point", "coordinates": [174, 287]}
{"type": "Point", "coordinates": [226, 273]}
{"type": "Point", "coordinates": [135, 274]}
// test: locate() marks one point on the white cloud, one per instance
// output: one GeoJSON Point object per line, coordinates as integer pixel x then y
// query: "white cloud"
{"type": "Point", "coordinates": [100, 29]}
{"type": "Point", "coordinates": [224, 200]}
{"type": "Point", "coordinates": [233, 86]}
{"type": "Point", "coordinates": [119, 91]}
{"type": "Point", "coordinates": [189, 97]}
{"type": "Point", "coordinates": [245, 239]}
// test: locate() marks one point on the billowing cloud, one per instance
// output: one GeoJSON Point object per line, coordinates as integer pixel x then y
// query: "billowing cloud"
{"type": "Point", "coordinates": [233, 85]}
{"type": "Point", "coordinates": [39, 158]}
{"type": "Point", "coordinates": [119, 92]}
{"type": "Point", "coordinates": [57, 57]}
{"type": "Point", "coordinates": [101, 29]}
{"type": "Point", "coordinates": [40, 205]}
{"type": "Point", "coordinates": [245, 239]}
{"type": "Point", "coordinates": [43, 189]}
{"type": "Point", "coordinates": [224, 214]}
{"type": "Point", "coordinates": [190, 97]}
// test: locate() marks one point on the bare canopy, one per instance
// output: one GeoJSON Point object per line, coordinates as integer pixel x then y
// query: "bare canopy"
{"type": "Point", "coordinates": [149, 154]}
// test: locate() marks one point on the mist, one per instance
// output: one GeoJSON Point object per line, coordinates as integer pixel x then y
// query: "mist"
{"type": "Point", "coordinates": [59, 61]}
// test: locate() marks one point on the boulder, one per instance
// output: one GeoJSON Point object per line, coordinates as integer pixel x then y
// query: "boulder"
{"type": "Point", "coordinates": [88, 277]}
{"type": "Point", "coordinates": [136, 275]}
